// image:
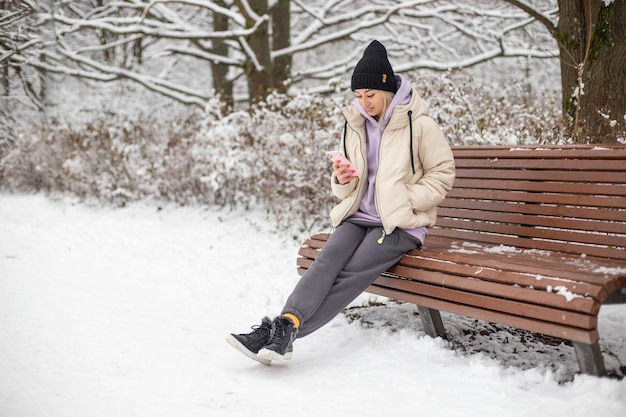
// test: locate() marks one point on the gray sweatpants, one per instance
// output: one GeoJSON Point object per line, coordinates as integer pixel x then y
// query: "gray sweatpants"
{"type": "Point", "coordinates": [349, 262]}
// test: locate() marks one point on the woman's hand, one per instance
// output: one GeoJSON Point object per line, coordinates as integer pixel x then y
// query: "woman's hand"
{"type": "Point", "coordinates": [343, 173]}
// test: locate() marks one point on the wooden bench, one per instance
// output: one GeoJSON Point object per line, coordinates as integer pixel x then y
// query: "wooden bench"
{"type": "Point", "coordinates": [532, 238]}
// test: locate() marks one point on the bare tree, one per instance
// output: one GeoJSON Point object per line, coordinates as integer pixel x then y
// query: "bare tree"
{"type": "Point", "coordinates": [592, 41]}
{"type": "Point", "coordinates": [222, 84]}
{"type": "Point", "coordinates": [13, 43]}
{"type": "Point", "coordinates": [272, 45]}
{"type": "Point", "coordinates": [281, 38]}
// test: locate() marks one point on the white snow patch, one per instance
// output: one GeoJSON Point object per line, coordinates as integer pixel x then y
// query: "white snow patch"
{"type": "Point", "coordinates": [561, 290]}
{"type": "Point", "coordinates": [123, 312]}
{"type": "Point", "coordinates": [611, 271]}
{"type": "Point", "coordinates": [502, 249]}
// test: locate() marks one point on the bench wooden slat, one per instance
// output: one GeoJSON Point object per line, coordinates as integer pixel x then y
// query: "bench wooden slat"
{"type": "Point", "coordinates": [534, 209]}
{"type": "Point", "coordinates": [513, 216]}
{"type": "Point", "coordinates": [580, 165]}
{"type": "Point", "coordinates": [504, 293]}
{"type": "Point", "coordinates": [527, 243]}
{"type": "Point", "coordinates": [532, 325]}
{"type": "Point", "coordinates": [545, 175]}
{"type": "Point", "coordinates": [540, 187]}
{"type": "Point", "coordinates": [539, 198]}
{"type": "Point", "coordinates": [552, 234]}
{"type": "Point", "coordinates": [495, 303]}
{"type": "Point", "coordinates": [605, 153]}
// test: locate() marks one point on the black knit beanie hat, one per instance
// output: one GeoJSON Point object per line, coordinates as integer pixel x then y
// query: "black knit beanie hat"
{"type": "Point", "coordinates": [374, 71]}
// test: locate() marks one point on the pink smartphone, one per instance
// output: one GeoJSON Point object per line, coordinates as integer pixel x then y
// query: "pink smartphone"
{"type": "Point", "coordinates": [337, 156]}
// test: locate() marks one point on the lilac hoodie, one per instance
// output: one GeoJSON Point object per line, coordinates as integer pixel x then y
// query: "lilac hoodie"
{"type": "Point", "coordinates": [367, 209]}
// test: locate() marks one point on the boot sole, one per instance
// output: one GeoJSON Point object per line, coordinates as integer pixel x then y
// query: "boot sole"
{"type": "Point", "coordinates": [270, 355]}
{"type": "Point", "coordinates": [241, 348]}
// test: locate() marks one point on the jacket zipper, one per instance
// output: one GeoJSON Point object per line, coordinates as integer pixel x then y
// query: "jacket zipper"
{"type": "Point", "coordinates": [376, 192]}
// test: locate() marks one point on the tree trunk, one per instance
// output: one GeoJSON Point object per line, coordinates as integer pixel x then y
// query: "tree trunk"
{"type": "Point", "coordinates": [222, 85]}
{"type": "Point", "coordinates": [259, 74]}
{"type": "Point", "coordinates": [592, 43]}
{"type": "Point", "coordinates": [4, 74]}
{"type": "Point", "coordinates": [281, 38]}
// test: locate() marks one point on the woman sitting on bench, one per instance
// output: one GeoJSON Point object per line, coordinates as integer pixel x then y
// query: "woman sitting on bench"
{"type": "Point", "coordinates": [400, 167]}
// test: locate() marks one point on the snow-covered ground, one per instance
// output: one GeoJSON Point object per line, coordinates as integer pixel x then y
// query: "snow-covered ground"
{"type": "Point", "coordinates": [123, 313]}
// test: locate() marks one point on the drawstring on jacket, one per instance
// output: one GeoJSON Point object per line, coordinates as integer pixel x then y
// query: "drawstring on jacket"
{"type": "Point", "coordinates": [345, 133]}
{"type": "Point", "coordinates": [410, 113]}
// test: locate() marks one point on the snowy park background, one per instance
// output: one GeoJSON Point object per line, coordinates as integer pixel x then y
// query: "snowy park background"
{"type": "Point", "coordinates": [137, 231]}
{"type": "Point", "coordinates": [123, 312]}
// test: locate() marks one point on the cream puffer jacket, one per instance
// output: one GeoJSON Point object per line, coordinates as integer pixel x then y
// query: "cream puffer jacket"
{"type": "Point", "coordinates": [414, 171]}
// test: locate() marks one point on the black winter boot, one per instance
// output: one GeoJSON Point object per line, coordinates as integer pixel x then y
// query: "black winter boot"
{"type": "Point", "coordinates": [250, 343]}
{"type": "Point", "coordinates": [280, 345]}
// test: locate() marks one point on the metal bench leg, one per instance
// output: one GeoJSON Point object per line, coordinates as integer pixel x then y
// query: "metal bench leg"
{"type": "Point", "coordinates": [431, 320]}
{"type": "Point", "coordinates": [589, 358]}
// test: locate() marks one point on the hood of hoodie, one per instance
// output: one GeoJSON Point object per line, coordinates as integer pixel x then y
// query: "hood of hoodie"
{"type": "Point", "coordinates": [405, 99]}
{"type": "Point", "coordinates": [402, 97]}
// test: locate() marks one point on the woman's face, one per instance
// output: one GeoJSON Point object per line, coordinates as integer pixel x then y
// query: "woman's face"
{"type": "Point", "coordinates": [372, 101]}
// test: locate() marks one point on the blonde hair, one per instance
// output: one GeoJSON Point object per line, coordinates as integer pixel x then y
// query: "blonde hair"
{"type": "Point", "coordinates": [387, 96]}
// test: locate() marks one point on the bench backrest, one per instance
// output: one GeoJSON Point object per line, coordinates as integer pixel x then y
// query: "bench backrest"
{"type": "Point", "coordinates": [564, 198]}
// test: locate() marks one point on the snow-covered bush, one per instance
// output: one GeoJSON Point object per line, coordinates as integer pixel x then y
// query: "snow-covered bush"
{"type": "Point", "coordinates": [270, 157]}
{"type": "Point", "coordinates": [273, 156]}
{"type": "Point", "coordinates": [471, 113]}
{"type": "Point", "coordinates": [110, 159]}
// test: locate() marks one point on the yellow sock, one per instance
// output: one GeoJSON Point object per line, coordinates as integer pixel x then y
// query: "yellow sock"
{"type": "Point", "coordinates": [296, 321]}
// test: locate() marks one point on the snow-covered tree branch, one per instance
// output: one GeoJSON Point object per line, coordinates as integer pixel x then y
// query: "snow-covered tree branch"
{"type": "Point", "coordinates": [241, 50]}
{"type": "Point", "coordinates": [137, 39]}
